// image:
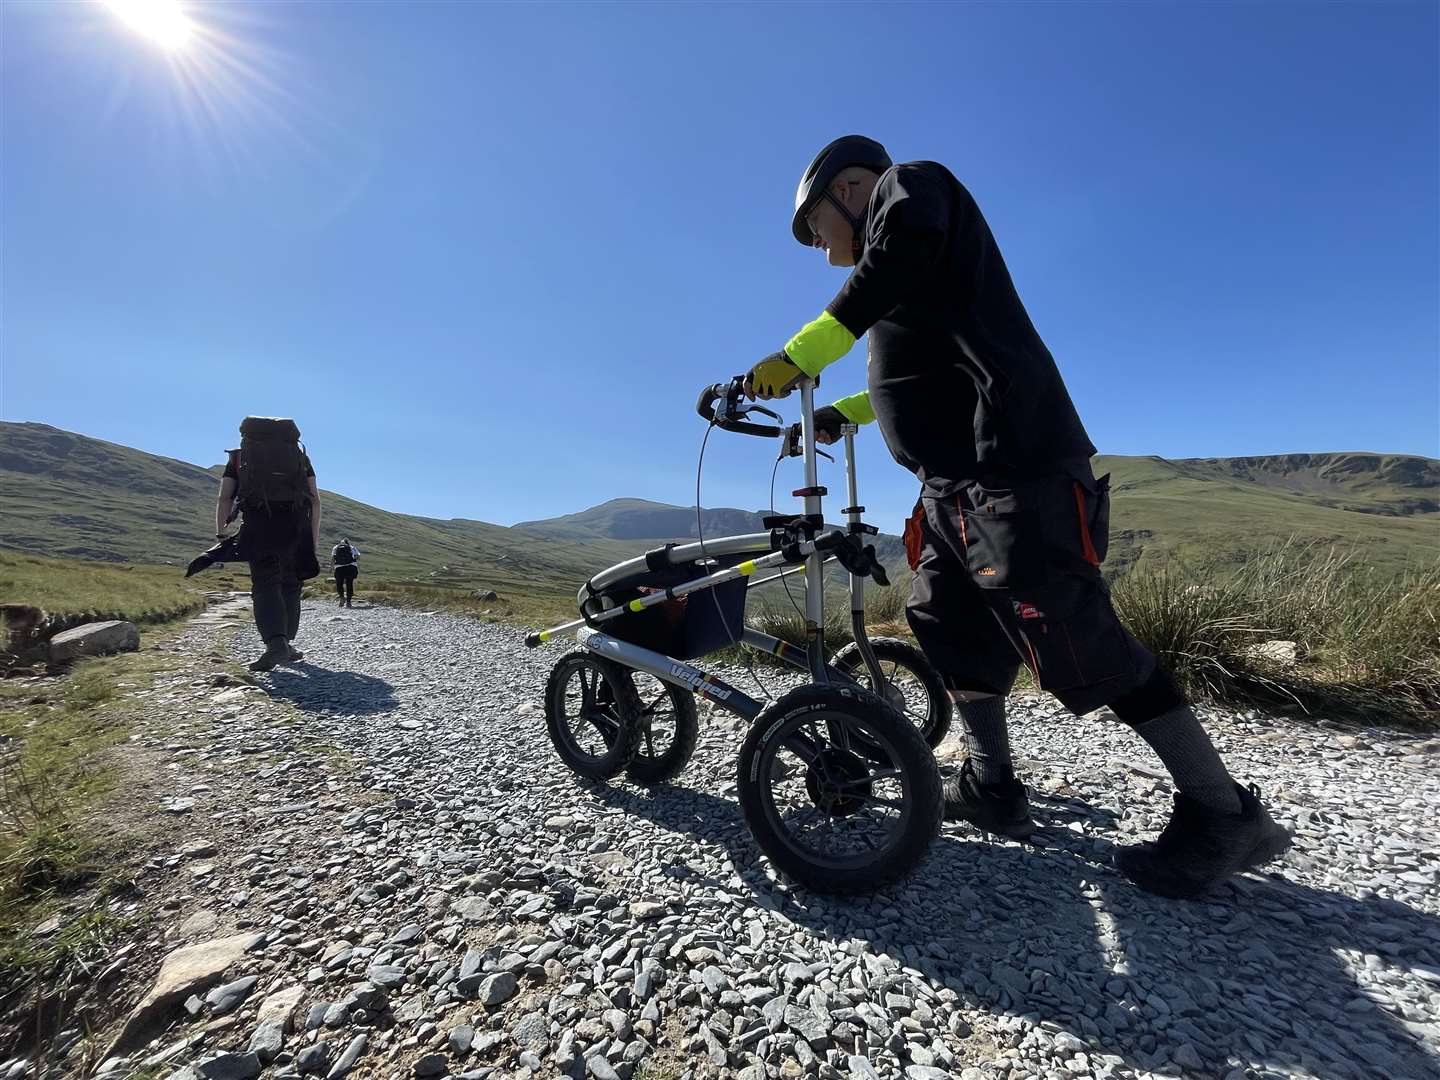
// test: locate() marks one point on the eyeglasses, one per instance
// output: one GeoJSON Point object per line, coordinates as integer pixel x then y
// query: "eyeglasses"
{"type": "Point", "coordinates": [810, 220]}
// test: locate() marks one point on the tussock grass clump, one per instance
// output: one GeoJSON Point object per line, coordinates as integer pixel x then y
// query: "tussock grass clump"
{"type": "Point", "coordinates": [1365, 642]}
{"type": "Point", "coordinates": [779, 617]}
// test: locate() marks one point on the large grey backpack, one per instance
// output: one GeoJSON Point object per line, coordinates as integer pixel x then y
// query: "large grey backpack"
{"type": "Point", "coordinates": [272, 469]}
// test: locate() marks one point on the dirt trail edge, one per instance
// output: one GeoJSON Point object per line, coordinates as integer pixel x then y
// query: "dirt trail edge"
{"type": "Point", "coordinates": [372, 864]}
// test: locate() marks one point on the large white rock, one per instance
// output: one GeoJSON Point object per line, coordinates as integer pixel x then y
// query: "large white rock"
{"type": "Point", "coordinates": [1279, 654]}
{"type": "Point", "coordinates": [182, 973]}
{"type": "Point", "coordinates": [94, 639]}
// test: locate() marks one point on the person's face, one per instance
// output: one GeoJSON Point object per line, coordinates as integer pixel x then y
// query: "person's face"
{"type": "Point", "coordinates": [832, 233]}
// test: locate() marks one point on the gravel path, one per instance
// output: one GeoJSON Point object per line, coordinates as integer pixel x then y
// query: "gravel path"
{"type": "Point", "coordinates": [453, 901]}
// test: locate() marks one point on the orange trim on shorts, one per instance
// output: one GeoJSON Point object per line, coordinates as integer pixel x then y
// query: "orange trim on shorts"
{"type": "Point", "coordinates": [1086, 546]}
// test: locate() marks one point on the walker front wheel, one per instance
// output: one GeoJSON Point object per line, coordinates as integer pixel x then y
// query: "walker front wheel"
{"type": "Point", "coordinates": [590, 711]}
{"type": "Point", "coordinates": [668, 728]}
{"type": "Point", "coordinates": [840, 791]}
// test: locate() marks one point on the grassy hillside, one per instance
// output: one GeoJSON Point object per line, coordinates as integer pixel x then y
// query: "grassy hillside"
{"type": "Point", "coordinates": [69, 495]}
{"type": "Point", "coordinates": [1220, 510]}
{"type": "Point", "coordinates": [63, 494]}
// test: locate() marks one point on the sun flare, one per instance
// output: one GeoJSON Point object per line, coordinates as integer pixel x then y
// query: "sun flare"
{"type": "Point", "coordinates": [162, 21]}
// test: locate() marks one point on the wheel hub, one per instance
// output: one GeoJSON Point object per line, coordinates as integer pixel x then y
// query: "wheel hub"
{"type": "Point", "coordinates": [837, 782]}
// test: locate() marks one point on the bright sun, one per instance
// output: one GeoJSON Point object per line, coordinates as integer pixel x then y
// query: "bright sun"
{"type": "Point", "coordinates": [162, 21]}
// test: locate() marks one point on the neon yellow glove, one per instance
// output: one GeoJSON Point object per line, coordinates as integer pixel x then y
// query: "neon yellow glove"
{"type": "Point", "coordinates": [773, 377]}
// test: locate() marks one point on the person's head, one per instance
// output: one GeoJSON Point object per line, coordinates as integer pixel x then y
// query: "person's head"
{"type": "Point", "coordinates": [833, 193]}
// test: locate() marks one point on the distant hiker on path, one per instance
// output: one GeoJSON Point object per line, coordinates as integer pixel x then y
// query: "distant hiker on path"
{"type": "Point", "coordinates": [345, 557]}
{"type": "Point", "coordinates": [1007, 538]}
{"type": "Point", "coordinates": [270, 483]}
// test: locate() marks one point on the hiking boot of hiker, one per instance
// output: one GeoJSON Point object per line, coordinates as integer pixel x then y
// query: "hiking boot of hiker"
{"type": "Point", "coordinates": [1202, 846]}
{"type": "Point", "coordinates": [347, 601]}
{"type": "Point", "coordinates": [1003, 809]}
{"type": "Point", "coordinates": [342, 601]}
{"type": "Point", "coordinates": [276, 652]}
{"type": "Point", "coordinates": [295, 655]}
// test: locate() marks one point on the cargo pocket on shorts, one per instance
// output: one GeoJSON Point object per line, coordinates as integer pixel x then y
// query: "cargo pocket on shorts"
{"type": "Point", "coordinates": [1073, 636]}
{"type": "Point", "coordinates": [1004, 546]}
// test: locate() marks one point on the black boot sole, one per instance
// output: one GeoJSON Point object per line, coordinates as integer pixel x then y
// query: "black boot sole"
{"type": "Point", "coordinates": [1268, 848]}
{"type": "Point", "coordinates": [1018, 830]}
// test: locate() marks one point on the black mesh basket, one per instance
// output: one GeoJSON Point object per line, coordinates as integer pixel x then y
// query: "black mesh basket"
{"type": "Point", "coordinates": [685, 627]}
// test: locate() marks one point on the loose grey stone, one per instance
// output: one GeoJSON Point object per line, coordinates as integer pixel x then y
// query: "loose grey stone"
{"type": "Point", "coordinates": [387, 976]}
{"type": "Point", "coordinates": [498, 989]}
{"type": "Point", "coordinates": [230, 1067]}
{"type": "Point", "coordinates": [460, 1039]}
{"type": "Point", "coordinates": [224, 999]}
{"type": "Point", "coordinates": [348, 1059]}
{"type": "Point", "coordinates": [532, 1031]}
{"type": "Point", "coordinates": [313, 1059]}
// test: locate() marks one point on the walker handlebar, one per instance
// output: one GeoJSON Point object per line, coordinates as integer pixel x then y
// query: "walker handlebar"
{"type": "Point", "coordinates": [724, 405]}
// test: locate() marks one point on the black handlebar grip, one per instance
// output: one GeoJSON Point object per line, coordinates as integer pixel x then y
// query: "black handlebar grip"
{"type": "Point", "coordinates": [706, 405]}
{"type": "Point", "coordinates": [532, 640]}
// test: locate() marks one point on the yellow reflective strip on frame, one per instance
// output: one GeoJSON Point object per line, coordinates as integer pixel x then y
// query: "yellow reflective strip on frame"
{"type": "Point", "coordinates": [746, 568]}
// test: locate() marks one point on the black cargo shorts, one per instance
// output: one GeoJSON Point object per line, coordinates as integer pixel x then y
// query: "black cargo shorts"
{"type": "Point", "coordinates": [1011, 575]}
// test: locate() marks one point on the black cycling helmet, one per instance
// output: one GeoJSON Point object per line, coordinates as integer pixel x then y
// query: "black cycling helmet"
{"type": "Point", "coordinates": [846, 152]}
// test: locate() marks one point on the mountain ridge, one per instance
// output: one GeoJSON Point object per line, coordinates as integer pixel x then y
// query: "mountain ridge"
{"type": "Point", "coordinates": [64, 493]}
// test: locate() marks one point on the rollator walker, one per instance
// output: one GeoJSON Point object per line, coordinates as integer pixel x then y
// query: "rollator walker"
{"type": "Point", "coordinates": [835, 779]}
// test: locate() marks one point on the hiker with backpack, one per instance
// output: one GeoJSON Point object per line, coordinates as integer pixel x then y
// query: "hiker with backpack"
{"type": "Point", "coordinates": [270, 483]}
{"type": "Point", "coordinates": [1011, 527]}
{"type": "Point", "coordinates": [345, 557]}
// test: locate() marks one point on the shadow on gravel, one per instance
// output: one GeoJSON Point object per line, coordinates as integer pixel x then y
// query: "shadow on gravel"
{"type": "Point", "coordinates": [1248, 976]}
{"type": "Point", "coordinates": [313, 688]}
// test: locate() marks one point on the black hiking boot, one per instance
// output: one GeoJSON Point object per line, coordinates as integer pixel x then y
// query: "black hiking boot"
{"type": "Point", "coordinates": [295, 655]}
{"type": "Point", "coordinates": [1202, 846]}
{"type": "Point", "coordinates": [342, 601]}
{"type": "Point", "coordinates": [276, 652]}
{"type": "Point", "coordinates": [1003, 808]}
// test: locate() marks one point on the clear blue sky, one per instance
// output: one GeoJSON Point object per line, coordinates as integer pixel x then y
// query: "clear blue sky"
{"type": "Point", "coordinates": [487, 255]}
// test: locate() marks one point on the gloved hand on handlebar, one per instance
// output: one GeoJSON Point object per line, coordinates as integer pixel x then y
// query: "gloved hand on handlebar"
{"type": "Point", "coordinates": [773, 377]}
{"type": "Point", "coordinates": [827, 424]}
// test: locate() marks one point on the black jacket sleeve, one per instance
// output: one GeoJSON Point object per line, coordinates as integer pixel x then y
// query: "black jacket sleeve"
{"type": "Point", "coordinates": [908, 224]}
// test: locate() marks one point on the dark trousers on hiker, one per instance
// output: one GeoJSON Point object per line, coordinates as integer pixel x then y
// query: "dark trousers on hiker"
{"type": "Point", "coordinates": [345, 580]}
{"type": "Point", "coordinates": [279, 545]}
{"type": "Point", "coordinates": [1008, 573]}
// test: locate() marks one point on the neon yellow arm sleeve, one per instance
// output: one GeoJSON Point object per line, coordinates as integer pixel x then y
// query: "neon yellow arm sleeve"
{"type": "Point", "coordinates": [818, 344]}
{"type": "Point", "coordinates": [856, 408]}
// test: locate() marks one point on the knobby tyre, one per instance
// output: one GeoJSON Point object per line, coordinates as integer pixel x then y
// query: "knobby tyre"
{"type": "Point", "coordinates": [590, 713]}
{"type": "Point", "coordinates": [913, 686]}
{"type": "Point", "coordinates": [668, 726]}
{"type": "Point", "coordinates": [840, 791]}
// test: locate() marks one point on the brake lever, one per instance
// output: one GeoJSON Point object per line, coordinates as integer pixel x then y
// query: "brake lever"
{"type": "Point", "coordinates": [790, 445]}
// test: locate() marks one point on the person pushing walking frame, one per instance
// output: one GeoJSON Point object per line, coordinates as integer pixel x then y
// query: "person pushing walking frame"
{"type": "Point", "coordinates": [1011, 527]}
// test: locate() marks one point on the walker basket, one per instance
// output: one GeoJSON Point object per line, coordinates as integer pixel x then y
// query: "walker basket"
{"type": "Point", "coordinates": [684, 627]}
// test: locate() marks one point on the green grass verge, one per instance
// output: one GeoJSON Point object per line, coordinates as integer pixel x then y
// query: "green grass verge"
{"type": "Point", "coordinates": [56, 772]}
{"type": "Point", "coordinates": [77, 587]}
